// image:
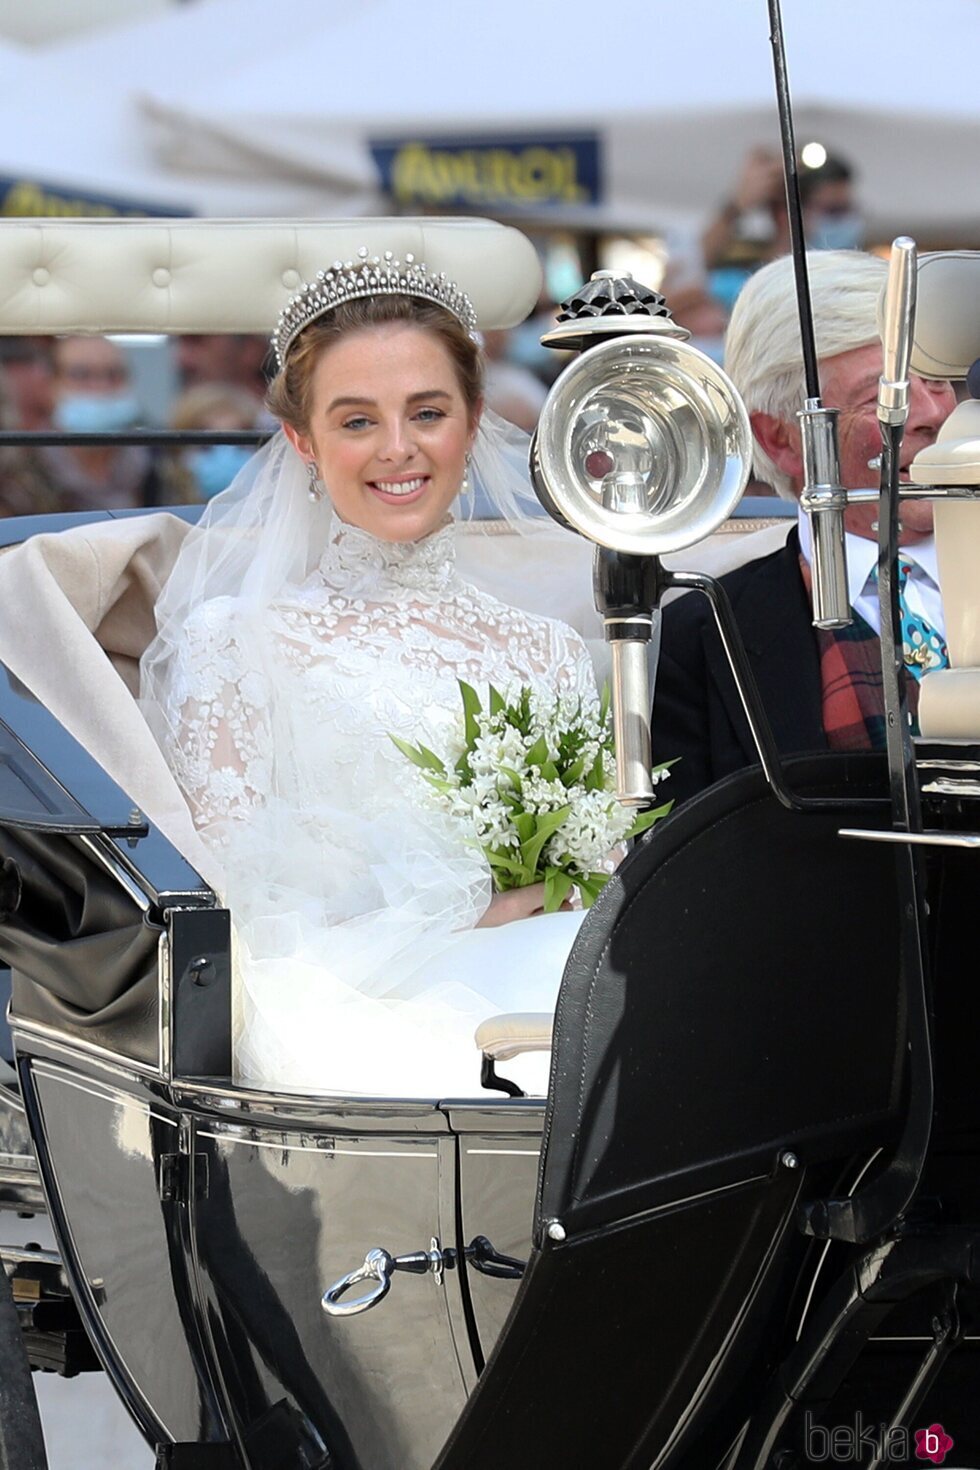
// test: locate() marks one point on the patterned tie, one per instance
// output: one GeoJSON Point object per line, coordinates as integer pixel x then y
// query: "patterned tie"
{"type": "Point", "coordinates": [925, 648]}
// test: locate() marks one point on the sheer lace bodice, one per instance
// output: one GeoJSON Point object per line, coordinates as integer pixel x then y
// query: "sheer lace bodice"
{"type": "Point", "coordinates": [345, 883]}
{"type": "Point", "coordinates": [371, 646]}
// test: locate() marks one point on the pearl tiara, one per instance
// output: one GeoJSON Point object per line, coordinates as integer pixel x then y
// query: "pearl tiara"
{"type": "Point", "coordinates": [375, 275]}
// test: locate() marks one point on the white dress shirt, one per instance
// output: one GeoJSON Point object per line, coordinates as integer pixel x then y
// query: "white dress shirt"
{"type": "Point", "coordinates": [922, 589]}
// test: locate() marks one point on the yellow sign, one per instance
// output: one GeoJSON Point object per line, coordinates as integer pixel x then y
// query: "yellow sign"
{"type": "Point", "coordinates": [27, 199]}
{"type": "Point", "coordinates": [487, 174]}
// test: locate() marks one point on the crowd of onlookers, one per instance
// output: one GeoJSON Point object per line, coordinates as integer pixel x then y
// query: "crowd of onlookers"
{"type": "Point", "coordinates": [78, 385]}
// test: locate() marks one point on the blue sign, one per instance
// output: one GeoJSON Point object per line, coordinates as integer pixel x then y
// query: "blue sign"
{"type": "Point", "coordinates": [505, 173]}
{"type": "Point", "coordinates": [30, 198]}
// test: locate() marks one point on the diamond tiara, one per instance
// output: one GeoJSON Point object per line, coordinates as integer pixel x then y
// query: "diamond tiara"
{"type": "Point", "coordinates": [369, 275]}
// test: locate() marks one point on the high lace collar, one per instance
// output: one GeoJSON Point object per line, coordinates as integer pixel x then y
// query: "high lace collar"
{"type": "Point", "coordinates": [359, 564]}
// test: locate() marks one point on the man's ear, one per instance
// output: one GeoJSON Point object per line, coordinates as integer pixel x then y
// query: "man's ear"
{"type": "Point", "coordinates": [781, 441]}
{"type": "Point", "coordinates": [302, 443]}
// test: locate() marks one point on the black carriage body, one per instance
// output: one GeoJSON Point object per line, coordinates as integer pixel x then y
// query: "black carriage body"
{"type": "Point", "coordinates": [730, 1043]}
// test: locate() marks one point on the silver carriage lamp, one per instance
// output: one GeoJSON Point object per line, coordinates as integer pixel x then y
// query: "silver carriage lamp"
{"type": "Point", "coordinates": [643, 446]}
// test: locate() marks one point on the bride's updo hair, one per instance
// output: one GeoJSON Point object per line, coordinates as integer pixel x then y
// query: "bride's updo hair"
{"type": "Point", "coordinates": [290, 392]}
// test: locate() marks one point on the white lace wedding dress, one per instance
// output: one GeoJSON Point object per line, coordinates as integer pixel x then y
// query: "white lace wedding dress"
{"type": "Point", "coordinates": [354, 900]}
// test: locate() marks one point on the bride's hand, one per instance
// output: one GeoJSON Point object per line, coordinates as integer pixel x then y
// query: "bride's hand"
{"type": "Point", "coordinates": [519, 903]}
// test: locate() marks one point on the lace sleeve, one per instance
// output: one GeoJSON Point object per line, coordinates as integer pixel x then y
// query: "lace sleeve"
{"type": "Point", "coordinates": [219, 720]}
{"type": "Point", "coordinates": [572, 664]}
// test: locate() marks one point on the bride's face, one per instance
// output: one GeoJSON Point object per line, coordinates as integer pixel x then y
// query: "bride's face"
{"type": "Point", "coordinates": [389, 429]}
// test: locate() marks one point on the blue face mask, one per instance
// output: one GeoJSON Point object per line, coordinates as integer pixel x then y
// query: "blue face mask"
{"type": "Point", "coordinates": [725, 282]}
{"type": "Point", "coordinates": [835, 231]}
{"type": "Point", "coordinates": [95, 413]}
{"type": "Point", "coordinates": [216, 465]}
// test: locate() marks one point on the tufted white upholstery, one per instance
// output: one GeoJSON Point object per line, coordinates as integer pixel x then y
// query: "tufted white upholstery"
{"type": "Point", "coordinates": [185, 275]}
{"type": "Point", "coordinates": [949, 699]}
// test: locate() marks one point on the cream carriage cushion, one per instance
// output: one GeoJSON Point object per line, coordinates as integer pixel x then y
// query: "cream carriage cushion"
{"type": "Point", "coordinates": [187, 275]}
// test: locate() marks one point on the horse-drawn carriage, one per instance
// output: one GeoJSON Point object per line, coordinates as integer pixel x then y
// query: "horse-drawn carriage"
{"type": "Point", "coordinates": [744, 1219]}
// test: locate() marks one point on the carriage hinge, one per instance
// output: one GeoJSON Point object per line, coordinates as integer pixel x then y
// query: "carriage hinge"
{"type": "Point", "coordinates": [180, 1174]}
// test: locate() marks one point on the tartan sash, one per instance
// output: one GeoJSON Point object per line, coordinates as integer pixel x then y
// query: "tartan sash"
{"type": "Point", "coordinates": [853, 707]}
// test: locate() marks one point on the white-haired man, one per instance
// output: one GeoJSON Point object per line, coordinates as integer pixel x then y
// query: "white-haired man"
{"type": "Point", "coordinates": [821, 690]}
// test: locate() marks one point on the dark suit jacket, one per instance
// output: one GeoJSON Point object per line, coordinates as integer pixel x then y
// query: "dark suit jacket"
{"type": "Point", "coordinates": [697, 714]}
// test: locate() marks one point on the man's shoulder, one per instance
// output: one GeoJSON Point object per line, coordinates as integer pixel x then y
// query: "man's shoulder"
{"type": "Point", "coordinates": [760, 576]}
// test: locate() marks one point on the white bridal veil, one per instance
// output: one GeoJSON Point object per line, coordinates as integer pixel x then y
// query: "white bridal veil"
{"type": "Point", "coordinates": [264, 536]}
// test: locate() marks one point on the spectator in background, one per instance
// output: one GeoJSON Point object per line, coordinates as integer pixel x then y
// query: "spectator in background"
{"type": "Point", "coordinates": [93, 393]}
{"type": "Point", "coordinates": [27, 375]}
{"type": "Point", "coordinates": [26, 402]}
{"type": "Point", "coordinates": [219, 406]}
{"type": "Point", "coordinates": [511, 389]}
{"type": "Point", "coordinates": [524, 343]}
{"type": "Point", "coordinates": [752, 226]}
{"type": "Point", "coordinates": [23, 491]}
{"type": "Point", "coordinates": [692, 306]}
{"type": "Point", "coordinates": [217, 357]}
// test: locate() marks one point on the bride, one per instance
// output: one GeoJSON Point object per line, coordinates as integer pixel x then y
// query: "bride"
{"type": "Point", "coordinates": [315, 613]}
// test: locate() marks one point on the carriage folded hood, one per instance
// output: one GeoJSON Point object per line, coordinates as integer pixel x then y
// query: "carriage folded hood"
{"type": "Point", "coordinates": [76, 612]}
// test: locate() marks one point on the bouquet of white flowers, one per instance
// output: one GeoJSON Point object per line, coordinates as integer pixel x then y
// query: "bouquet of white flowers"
{"type": "Point", "coordinates": [533, 780]}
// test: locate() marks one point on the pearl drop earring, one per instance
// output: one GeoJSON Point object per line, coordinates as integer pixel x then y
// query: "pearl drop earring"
{"type": "Point", "coordinates": [316, 489]}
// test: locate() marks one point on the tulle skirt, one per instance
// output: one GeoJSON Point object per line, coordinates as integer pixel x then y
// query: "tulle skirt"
{"type": "Point", "coordinates": [302, 1027]}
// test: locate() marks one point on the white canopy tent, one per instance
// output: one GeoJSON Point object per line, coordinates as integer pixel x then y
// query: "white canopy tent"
{"type": "Point", "coordinates": [18, 65]}
{"type": "Point", "coordinates": [69, 117]}
{"type": "Point", "coordinates": [675, 93]}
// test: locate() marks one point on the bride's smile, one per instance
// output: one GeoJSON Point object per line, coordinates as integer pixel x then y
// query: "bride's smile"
{"type": "Point", "coordinates": [390, 429]}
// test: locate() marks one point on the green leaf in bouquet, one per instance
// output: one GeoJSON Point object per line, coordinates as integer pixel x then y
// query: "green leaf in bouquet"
{"type": "Point", "coordinates": [570, 744]}
{"type": "Point", "coordinates": [557, 886]}
{"type": "Point", "coordinates": [526, 826]}
{"type": "Point", "coordinates": [646, 819]}
{"type": "Point", "coordinates": [591, 887]}
{"type": "Point", "coordinates": [514, 777]}
{"type": "Point", "coordinates": [442, 784]}
{"type": "Point", "coordinates": [604, 703]}
{"type": "Point", "coordinates": [538, 753]}
{"type": "Point", "coordinates": [545, 825]}
{"type": "Point", "coordinates": [574, 772]}
{"type": "Point", "coordinates": [471, 708]}
{"type": "Point", "coordinates": [420, 755]}
{"type": "Point", "coordinates": [496, 701]}
{"type": "Point", "coordinates": [505, 862]}
{"type": "Point", "coordinates": [595, 779]}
